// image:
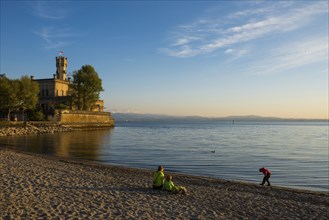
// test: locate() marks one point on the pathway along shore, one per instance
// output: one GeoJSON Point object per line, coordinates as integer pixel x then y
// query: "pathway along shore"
{"type": "Point", "coordinates": [42, 187]}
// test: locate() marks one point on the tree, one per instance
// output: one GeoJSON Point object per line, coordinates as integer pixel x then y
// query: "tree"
{"type": "Point", "coordinates": [28, 93]}
{"type": "Point", "coordinates": [36, 115]}
{"type": "Point", "coordinates": [85, 88]}
{"type": "Point", "coordinates": [9, 99]}
{"type": "Point", "coordinates": [17, 94]}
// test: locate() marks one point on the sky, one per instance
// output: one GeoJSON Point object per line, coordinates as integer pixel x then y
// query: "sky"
{"type": "Point", "coordinates": [184, 58]}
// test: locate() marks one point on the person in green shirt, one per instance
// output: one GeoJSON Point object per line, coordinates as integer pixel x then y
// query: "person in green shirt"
{"type": "Point", "coordinates": [170, 186]}
{"type": "Point", "coordinates": [158, 178]}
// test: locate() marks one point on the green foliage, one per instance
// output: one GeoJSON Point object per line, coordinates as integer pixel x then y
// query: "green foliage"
{"type": "Point", "coordinates": [29, 92]}
{"type": "Point", "coordinates": [17, 94]}
{"type": "Point", "coordinates": [36, 116]}
{"type": "Point", "coordinates": [85, 88]}
{"type": "Point", "coordinates": [62, 106]}
{"type": "Point", "coordinates": [9, 95]}
{"type": "Point", "coordinates": [5, 88]}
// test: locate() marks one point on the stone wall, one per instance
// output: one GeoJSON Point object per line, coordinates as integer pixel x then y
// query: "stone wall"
{"type": "Point", "coordinates": [63, 121]}
{"type": "Point", "coordinates": [84, 118]}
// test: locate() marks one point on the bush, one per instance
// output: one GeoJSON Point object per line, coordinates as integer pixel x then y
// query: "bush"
{"type": "Point", "coordinates": [36, 116]}
{"type": "Point", "coordinates": [62, 106]}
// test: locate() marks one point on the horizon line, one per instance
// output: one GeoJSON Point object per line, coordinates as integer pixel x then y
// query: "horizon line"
{"type": "Point", "coordinates": [223, 117]}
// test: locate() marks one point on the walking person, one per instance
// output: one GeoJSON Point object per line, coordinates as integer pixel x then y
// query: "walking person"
{"type": "Point", "coordinates": [267, 175]}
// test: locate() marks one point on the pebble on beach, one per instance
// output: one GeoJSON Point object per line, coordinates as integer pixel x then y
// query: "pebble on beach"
{"type": "Point", "coordinates": [32, 129]}
{"type": "Point", "coordinates": [43, 187]}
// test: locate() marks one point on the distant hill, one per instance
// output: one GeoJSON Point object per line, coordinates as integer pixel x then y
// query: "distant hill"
{"type": "Point", "coordinates": [154, 117]}
{"type": "Point", "coordinates": [150, 117]}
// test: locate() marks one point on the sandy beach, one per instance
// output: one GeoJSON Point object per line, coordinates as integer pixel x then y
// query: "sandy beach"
{"type": "Point", "coordinates": [42, 187]}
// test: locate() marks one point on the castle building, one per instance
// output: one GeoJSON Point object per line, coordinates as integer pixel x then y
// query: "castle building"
{"type": "Point", "coordinates": [54, 92]}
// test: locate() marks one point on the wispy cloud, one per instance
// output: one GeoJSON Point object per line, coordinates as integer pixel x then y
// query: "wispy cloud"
{"type": "Point", "coordinates": [209, 35]}
{"type": "Point", "coordinates": [236, 53]}
{"type": "Point", "coordinates": [185, 40]}
{"type": "Point", "coordinates": [54, 38]}
{"type": "Point", "coordinates": [263, 9]}
{"type": "Point", "coordinates": [49, 10]}
{"type": "Point", "coordinates": [298, 54]}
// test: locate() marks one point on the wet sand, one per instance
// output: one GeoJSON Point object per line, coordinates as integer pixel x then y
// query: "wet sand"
{"type": "Point", "coordinates": [42, 187]}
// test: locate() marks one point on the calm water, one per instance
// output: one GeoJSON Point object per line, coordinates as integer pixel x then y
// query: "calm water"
{"type": "Point", "coordinates": [295, 152]}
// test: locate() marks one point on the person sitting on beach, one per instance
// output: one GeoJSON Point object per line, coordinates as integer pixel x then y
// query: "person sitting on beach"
{"type": "Point", "coordinates": [170, 186]}
{"type": "Point", "coordinates": [267, 175]}
{"type": "Point", "coordinates": [158, 178]}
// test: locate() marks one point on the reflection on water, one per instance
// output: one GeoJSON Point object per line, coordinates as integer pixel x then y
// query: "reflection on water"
{"type": "Point", "coordinates": [77, 144]}
{"type": "Point", "coordinates": [295, 152]}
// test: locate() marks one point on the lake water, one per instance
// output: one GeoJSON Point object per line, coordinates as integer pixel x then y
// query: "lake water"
{"type": "Point", "coordinates": [295, 152]}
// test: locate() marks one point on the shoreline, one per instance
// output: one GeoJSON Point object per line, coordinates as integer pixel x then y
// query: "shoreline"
{"type": "Point", "coordinates": [47, 128]}
{"type": "Point", "coordinates": [42, 186]}
{"type": "Point", "coordinates": [32, 129]}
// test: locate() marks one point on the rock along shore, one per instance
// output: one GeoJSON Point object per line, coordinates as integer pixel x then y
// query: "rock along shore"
{"type": "Point", "coordinates": [43, 187]}
{"type": "Point", "coordinates": [29, 129]}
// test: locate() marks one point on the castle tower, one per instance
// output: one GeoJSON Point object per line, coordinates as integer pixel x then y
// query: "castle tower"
{"type": "Point", "coordinates": [61, 65]}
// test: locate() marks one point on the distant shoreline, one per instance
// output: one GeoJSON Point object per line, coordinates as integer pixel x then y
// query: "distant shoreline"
{"type": "Point", "coordinates": [121, 117]}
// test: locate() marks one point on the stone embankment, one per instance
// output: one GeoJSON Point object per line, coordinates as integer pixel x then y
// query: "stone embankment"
{"type": "Point", "coordinates": [32, 129]}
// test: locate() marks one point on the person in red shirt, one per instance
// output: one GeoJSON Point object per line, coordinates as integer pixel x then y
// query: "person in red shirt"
{"type": "Point", "coordinates": [267, 175]}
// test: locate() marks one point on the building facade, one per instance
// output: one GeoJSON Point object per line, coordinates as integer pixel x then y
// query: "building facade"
{"type": "Point", "coordinates": [54, 92]}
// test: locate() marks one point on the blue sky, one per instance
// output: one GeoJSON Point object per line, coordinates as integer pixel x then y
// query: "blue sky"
{"type": "Point", "coordinates": [207, 58]}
